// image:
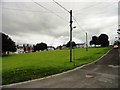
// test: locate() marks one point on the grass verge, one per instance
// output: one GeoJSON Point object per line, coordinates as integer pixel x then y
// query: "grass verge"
{"type": "Point", "coordinates": [28, 66]}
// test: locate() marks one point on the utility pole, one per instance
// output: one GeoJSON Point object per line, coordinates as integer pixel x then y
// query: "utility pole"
{"type": "Point", "coordinates": [86, 42]}
{"type": "Point", "coordinates": [71, 35]}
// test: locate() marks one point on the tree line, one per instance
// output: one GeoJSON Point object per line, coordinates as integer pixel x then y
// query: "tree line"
{"type": "Point", "coordinates": [100, 40]}
{"type": "Point", "coordinates": [8, 45]}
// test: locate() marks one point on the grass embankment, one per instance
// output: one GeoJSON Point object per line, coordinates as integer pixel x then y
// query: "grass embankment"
{"type": "Point", "coordinates": [22, 67]}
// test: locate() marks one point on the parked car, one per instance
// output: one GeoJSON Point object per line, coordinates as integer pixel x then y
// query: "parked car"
{"type": "Point", "coordinates": [115, 46]}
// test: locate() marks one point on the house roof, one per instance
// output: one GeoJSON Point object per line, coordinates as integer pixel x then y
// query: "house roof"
{"type": "Point", "coordinates": [80, 43]}
{"type": "Point", "coordinates": [50, 47]}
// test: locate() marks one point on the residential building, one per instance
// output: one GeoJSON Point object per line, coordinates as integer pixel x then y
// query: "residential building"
{"type": "Point", "coordinates": [80, 45]}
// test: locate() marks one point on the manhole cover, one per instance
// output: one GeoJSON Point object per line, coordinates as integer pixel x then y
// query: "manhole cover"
{"type": "Point", "coordinates": [89, 76]}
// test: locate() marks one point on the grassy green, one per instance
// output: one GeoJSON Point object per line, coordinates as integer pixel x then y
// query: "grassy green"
{"type": "Point", "coordinates": [22, 67]}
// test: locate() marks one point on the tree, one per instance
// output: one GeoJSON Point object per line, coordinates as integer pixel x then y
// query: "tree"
{"type": "Point", "coordinates": [94, 41]}
{"type": "Point", "coordinates": [8, 45]}
{"type": "Point", "coordinates": [73, 44]}
{"type": "Point", "coordinates": [40, 46]}
{"type": "Point", "coordinates": [24, 47]}
{"type": "Point", "coordinates": [91, 42]}
{"type": "Point", "coordinates": [103, 40]}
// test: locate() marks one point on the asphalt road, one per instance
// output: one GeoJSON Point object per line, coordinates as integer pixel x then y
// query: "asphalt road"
{"type": "Point", "coordinates": [101, 74]}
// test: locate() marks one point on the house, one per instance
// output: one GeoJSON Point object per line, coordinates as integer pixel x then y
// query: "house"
{"type": "Point", "coordinates": [80, 45]}
{"type": "Point", "coordinates": [50, 48]}
{"type": "Point", "coordinates": [20, 49]}
{"type": "Point", "coordinates": [59, 47]}
{"type": "Point", "coordinates": [24, 49]}
{"type": "Point", "coordinates": [64, 46]}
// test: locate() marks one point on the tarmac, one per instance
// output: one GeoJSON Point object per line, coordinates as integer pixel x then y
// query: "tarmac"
{"type": "Point", "coordinates": [104, 73]}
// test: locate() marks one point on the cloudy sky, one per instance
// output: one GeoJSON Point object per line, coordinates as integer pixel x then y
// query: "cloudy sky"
{"type": "Point", "coordinates": [27, 22]}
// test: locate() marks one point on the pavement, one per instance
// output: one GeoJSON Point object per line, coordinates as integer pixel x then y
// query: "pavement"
{"type": "Point", "coordinates": [101, 74]}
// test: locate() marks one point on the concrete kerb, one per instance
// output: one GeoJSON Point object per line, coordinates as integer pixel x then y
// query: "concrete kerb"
{"type": "Point", "coordinates": [55, 74]}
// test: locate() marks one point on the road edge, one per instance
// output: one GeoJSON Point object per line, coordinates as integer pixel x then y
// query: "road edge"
{"type": "Point", "coordinates": [19, 83]}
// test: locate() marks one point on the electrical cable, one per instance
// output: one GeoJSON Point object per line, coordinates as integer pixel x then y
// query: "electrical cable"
{"type": "Point", "coordinates": [49, 10]}
{"type": "Point", "coordinates": [28, 10]}
{"type": "Point", "coordinates": [61, 6]}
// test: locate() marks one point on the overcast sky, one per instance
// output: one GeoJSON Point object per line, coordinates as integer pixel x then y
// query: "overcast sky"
{"type": "Point", "coordinates": [27, 22]}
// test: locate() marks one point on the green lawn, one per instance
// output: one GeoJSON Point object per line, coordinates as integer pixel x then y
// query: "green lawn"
{"type": "Point", "coordinates": [22, 67]}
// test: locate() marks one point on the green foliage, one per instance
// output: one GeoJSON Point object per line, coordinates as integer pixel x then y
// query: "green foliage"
{"type": "Point", "coordinates": [101, 40]}
{"type": "Point", "coordinates": [73, 44]}
{"type": "Point", "coordinates": [22, 67]}
{"type": "Point", "coordinates": [40, 46]}
{"type": "Point", "coordinates": [7, 43]}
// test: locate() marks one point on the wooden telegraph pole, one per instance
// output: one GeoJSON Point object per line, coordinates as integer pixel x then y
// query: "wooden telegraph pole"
{"type": "Point", "coordinates": [86, 42]}
{"type": "Point", "coordinates": [71, 35]}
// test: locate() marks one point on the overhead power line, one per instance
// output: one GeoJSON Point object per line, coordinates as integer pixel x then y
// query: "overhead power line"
{"type": "Point", "coordinates": [61, 6]}
{"type": "Point", "coordinates": [71, 27]}
{"type": "Point", "coordinates": [78, 23]}
{"type": "Point", "coordinates": [90, 6]}
{"type": "Point", "coordinates": [49, 10]}
{"type": "Point", "coordinates": [28, 10]}
{"type": "Point", "coordinates": [104, 8]}
{"type": "Point", "coordinates": [69, 12]}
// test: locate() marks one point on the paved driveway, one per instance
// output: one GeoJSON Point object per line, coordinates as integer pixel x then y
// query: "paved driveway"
{"type": "Point", "coordinates": [101, 74]}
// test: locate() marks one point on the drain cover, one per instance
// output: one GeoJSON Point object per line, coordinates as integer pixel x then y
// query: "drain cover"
{"type": "Point", "coordinates": [89, 76]}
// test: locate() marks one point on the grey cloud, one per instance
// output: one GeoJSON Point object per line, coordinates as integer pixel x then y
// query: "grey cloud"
{"type": "Point", "coordinates": [16, 22]}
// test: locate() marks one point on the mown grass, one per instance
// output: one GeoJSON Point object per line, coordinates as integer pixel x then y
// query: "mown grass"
{"type": "Point", "coordinates": [28, 66]}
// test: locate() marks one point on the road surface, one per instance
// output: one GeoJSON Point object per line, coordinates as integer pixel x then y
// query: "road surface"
{"type": "Point", "coordinates": [100, 74]}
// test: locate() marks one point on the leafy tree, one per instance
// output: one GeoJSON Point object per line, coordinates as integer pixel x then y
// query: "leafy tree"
{"type": "Point", "coordinates": [73, 44]}
{"type": "Point", "coordinates": [40, 46]}
{"type": "Point", "coordinates": [103, 40]}
{"type": "Point", "coordinates": [94, 41]}
{"type": "Point", "coordinates": [8, 45]}
{"type": "Point", "coordinates": [24, 47]}
{"type": "Point", "coordinates": [91, 42]}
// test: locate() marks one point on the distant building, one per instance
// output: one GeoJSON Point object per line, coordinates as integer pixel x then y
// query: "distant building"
{"type": "Point", "coordinates": [50, 48]}
{"type": "Point", "coordinates": [20, 49]}
{"type": "Point", "coordinates": [24, 49]}
{"type": "Point", "coordinates": [59, 47]}
{"type": "Point", "coordinates": [64, 46]}
{"type": "Point", "coordinates": [80, 45]}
